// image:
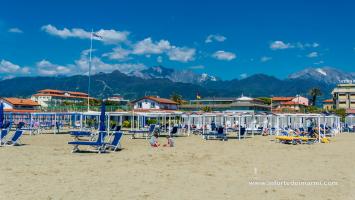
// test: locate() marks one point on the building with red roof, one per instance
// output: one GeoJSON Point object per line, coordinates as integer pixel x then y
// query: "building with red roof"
{"type": "Point", "coordinates": [20, 105]}
{"type": "Point", "coordinates": [154, 103]}
{"type": "Point", "coordinates": [49, 97]}
{"type": "Point", "coordinates": [328, 104]}
{"type": "Point", "coordinates": [289, 104]}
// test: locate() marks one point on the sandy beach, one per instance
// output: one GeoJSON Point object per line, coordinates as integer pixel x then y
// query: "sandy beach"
{"type": "Point", "coordinates": [45, 168]}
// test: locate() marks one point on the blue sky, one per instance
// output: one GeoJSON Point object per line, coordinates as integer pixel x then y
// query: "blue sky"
{"type": "Point", "coordinates": [223, 38]}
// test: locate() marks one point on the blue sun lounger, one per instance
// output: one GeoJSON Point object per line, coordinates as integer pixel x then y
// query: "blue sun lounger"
{"type": "Point", "coordinates": [99, 143]}
{"type": "Point", "coordinates": [116, 141]}
{"type": "Point", "coordinates": [15, 140]}
{"type": "Point", "coordinates": [78, 134]}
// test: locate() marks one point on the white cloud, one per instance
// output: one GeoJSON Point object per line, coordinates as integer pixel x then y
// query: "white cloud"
{"type": "Point", "coordinates": [276, 45]}
{"type": "Point", "coordinates": [197, 67]}
{"type": "Point", "coordinates": [118, 54]}
{"type": "Point", "coordinates": [307, 45]}
{"type": "Point", "coordinates": [224, 55]}
{"type": "Point", "coordinates": [46, 68]}
{"type": "Point", "coordinates": [7, 67]}
{"type": "Point", "coordinates": [182, 54]}
{"type": "Point", "coordinates": [108, 36]}
{"type": "Point", "coordinates": [279, 45]}
{"type": "Point", "coordinates": [319, 62]}
{"type": "Point", "coordinates": [216, 38]}
{"type": "Point", "coordinates": [313, 54]}
{"type": "Point", "coordinates": [98, 65]}
{"type": "Point", "coordinates": [148, 46]}
{"type": "Point", "coordinates": [15, 30]}
{"type": "Point", "coordinates": [265, 59]}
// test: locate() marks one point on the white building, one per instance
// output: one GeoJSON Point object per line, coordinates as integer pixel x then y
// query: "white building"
{"type": "Point", "coordinates": [154, 103]}
{"type": "Point", "coordinates": [118, 99]}
{"type": "Point", "coordinates": [344, 96]}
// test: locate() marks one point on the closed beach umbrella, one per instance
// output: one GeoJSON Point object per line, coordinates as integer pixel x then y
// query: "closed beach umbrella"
{"type": "Point", "coordinates": [1, 114]}
{"type": "Point", "coordinates": [102, 117]}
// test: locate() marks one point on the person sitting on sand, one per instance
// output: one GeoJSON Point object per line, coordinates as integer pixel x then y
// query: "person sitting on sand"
{"type": "Point", "coordinates": [154, 140]}
{"type": "Point", "coordinates": [170, 142]}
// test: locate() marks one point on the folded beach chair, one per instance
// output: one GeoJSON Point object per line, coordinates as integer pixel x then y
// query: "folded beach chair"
{"type": "Point", "coordinates": [221, 134]}
{"type": "Point", "coordinates": [174, 131]}
{"type": "Point", "coordinates": [115, 142]}
{"type": "Point", "coordinates": [242, 130]}
{"type": "Point", "coordinates": [99, 143]}
{"type": "Point", "coordinates": [15, 140]}
{"type": "Point", "coordinates": [6, 125]}
{"type": "Point", "coordinates": [3, 134]}
{"type": "Point", "coordinates": [117, 128]}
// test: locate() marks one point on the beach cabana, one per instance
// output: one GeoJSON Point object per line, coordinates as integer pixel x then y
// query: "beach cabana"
{"type": "Point", "coordinates": [350, 123]}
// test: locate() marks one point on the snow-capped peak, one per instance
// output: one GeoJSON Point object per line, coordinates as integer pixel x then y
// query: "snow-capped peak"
{"type": "Point", "coordinates": [321, 71]}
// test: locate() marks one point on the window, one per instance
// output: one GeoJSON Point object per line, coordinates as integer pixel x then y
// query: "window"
{"type": "Point", "coordinates": [152, 105]}
{"type": "Point", "coordinates": [140, 105]}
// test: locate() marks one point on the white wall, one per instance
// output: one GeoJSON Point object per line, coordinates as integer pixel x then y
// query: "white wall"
{"type": "Point", "coordinates": [146, 104]}
{"type": "Point", "coordinates": [7, 105]}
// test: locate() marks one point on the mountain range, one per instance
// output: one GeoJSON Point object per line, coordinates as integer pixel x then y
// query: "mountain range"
{"type": "Point", "coordinates": [162, 81]}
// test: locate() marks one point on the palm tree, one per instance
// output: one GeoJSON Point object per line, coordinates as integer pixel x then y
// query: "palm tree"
{"type": "Point", "coordinates": [176, 97]}
{"type": "Point", "coordinates": [314, 93]}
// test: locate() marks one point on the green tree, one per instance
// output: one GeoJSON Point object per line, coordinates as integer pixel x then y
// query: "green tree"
{"type": "Point", "coordinates": [206, 109]}
{"type": "Point", "coordinates": [266, 100]}
{"type": "Point", "coordinates": [341, 113]}
{"type": "Point", "coordinates": [314, 93]}
{"type": "Point", "coordinates": [126, 124]}
{"type": "Point", "coordinates": [176, 97]}
{"type": "Point", "coordinates": [313, 109]}
{"type": "Point", "coordinates": [152, 121]}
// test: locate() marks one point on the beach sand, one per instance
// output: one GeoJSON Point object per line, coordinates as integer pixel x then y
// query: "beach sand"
{"type": "Point", "coordinates": [45, 168]}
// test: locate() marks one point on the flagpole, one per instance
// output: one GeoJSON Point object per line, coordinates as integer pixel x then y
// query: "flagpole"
{"type": "Point", "coordinates": [90, 70]}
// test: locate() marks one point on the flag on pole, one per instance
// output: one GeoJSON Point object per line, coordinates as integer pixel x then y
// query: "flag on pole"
{"type": "Point", "coordinates": [97, 35]}
{"type": "Point", "coordinates": [198, 96]}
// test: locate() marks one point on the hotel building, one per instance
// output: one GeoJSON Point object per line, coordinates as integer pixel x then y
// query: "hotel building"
{"type": "Point", "coordinates": [47, 98]}
{"type": "Point", "coordinates": [344, 96]}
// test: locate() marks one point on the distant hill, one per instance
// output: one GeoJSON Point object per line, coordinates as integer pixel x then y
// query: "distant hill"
{"type": "Point", "coordinates": [163, 82]}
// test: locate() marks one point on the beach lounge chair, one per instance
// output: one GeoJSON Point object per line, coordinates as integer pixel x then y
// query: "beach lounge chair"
{"type": "Point", "coordinates": [116, 141]}
{"type": "Point", "coordinates": [219, 134]}
{"type": "Point", "coordinates": [15, 140]}
{"type": "Point", "coordinates": [99, 143]}
{"type": "Point", "coordinates": [296, 139]}
{"type": "Point", "coordinates": [148, 132]}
